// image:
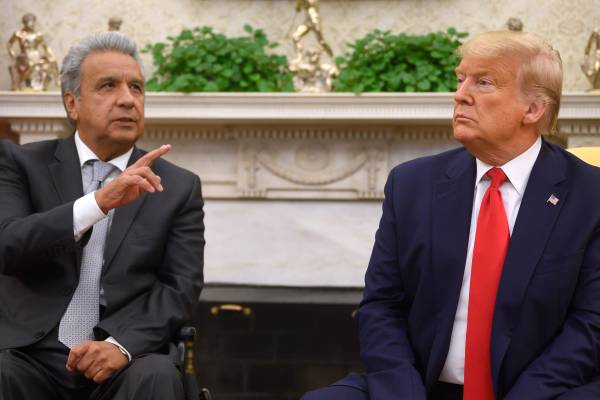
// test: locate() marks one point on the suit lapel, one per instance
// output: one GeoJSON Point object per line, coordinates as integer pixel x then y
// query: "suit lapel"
{"type": "Point", "coordinates": [122, 220]}
{"type": "Point", "coordinates": [66, 171]}
{"type": "Point", "coordinates": [532, 229]}
{"type": "Point", "coordinates": [66, 176]}
{"type": "Point", "coordinates": [451, 219]}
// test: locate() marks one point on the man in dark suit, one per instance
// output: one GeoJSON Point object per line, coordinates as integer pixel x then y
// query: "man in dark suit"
{"type": "Point", "coordinates": [101, 244]}
{"type": "Point", "coordinates": [484, 281]}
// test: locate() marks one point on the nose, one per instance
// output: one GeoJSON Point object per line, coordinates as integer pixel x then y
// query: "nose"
{"type": "Point", "coordinates": [125, 98]}
{"type": "Point", "coordinates": [463, 93]}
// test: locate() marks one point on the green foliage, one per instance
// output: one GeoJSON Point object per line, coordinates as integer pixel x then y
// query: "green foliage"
{"type": "Point", "coordinates": [383, 62]}
{"type": "Point", "coordinates": [200, 60]}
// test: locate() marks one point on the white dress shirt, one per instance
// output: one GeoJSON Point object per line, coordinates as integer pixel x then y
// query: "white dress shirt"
{"type": "Point", "coordinates": [86, 211]}
{"type": "Point", "coordinates": [517, 171]}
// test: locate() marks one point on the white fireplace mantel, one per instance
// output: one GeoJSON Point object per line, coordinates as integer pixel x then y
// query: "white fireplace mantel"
{"type": "Point", "coordinates": [289, 145]}
{"type": "Point", "coordinates": [293, 182]}
{"type": "Point", "coordinates": [261, 107]}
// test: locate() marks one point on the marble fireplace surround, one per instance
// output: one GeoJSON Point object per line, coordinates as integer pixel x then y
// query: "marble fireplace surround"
{"type": "Point", "coordinates": [293, 183]}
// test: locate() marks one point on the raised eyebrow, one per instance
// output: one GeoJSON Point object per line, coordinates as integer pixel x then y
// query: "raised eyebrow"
{"type": "Point", "coordinates": [482, 72]}
{"type": "Point", "coordinates": [104, 79]}
{"type": "Point", "coordinates": [110, 78]}
{"type": "Point", "coordinates": [138, 82]}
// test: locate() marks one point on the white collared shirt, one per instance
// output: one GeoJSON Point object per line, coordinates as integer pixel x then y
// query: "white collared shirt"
{"type": "Point", "coordinates": [517, 171]}
{"type": "Point", "coordinates": [86, 211]}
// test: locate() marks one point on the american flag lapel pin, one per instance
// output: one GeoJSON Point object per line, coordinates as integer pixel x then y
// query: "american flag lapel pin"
{"type": "Point", "coordinates": [552, 200]}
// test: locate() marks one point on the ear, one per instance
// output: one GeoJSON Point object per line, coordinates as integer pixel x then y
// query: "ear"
{"type": "Point", "coordinates": [535, 111]}
{"type": "Point", "coordinates": [71, 105]}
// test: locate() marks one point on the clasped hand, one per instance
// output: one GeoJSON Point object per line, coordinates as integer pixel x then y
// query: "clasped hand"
{"type": "Point", "coordinates": [96, 360]}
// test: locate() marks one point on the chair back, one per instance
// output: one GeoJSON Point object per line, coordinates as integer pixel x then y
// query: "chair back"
{"type": "Point", "coordinates": [590, 155]}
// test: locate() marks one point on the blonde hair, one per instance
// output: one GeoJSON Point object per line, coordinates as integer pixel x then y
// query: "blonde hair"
{"type": "Point", "coordinates": [540, 70]}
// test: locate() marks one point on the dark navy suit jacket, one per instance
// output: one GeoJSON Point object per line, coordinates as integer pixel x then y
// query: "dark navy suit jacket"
{"type": "Point", "coordinates": [546, 327]}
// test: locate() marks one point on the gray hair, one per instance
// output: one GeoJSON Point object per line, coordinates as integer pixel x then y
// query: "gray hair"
{"type": "Point", "coordinates": [70, 72]}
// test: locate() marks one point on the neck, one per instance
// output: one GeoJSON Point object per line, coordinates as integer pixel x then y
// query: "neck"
{"type": "Point", "coordinates": [103, 151]}
{"type": "Point", "coordinates": [500, 156]}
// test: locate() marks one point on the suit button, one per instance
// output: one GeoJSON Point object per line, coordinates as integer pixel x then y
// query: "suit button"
{"type": "Point", "coordinates": [39, 335]}
{"type": "Point", "coordinates": [66, 291]}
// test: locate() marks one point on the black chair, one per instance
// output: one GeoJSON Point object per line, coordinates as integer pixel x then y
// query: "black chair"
{"type": "Point", "coordinates": [185, 347]}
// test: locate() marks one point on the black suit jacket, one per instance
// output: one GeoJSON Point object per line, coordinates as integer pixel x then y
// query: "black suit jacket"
{"type": "Point", "coordinates": [152, 275]}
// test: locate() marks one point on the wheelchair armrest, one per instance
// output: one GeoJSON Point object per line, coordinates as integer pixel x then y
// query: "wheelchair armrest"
{"type": "Point", "coordinates": [185, 348]}
{"type": "Point", "coordinates": [187, 333]}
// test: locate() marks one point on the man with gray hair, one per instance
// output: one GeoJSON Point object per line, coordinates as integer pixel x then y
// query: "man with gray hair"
{"type": "Point", "coordinates": [101, 244]}
{"type": "Point", "coordinates": [484, 281]}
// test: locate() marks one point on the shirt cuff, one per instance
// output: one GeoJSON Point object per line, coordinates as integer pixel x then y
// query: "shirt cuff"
{"type": "Point", "coordinates": [122, 349]}
{"type": "Point", "coordinates": [86, 213]}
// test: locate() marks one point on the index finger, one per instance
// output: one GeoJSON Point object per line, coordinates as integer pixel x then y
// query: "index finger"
{"type": "Point", "coordinates": [147, 159]}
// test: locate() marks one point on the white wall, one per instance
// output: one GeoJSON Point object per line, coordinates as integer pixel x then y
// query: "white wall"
{"type": "Point", "coordinates": [566, 24]}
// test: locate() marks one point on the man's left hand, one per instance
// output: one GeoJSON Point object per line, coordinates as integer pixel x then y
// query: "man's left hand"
{"type": "Point", "coordinates": [97, 360]}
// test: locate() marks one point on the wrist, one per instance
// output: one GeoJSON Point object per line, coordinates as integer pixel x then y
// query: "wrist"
{"type": "Point", "coordinates": [100, 201]}
{"type": "Point", "coordinates": [121, 349]}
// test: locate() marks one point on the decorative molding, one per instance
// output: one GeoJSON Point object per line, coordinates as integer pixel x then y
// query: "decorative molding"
{"type": "Point", "coordinates": [300, 106]}
{"type": "Point", "coordinates": [188, 132]}
{"type": "Point", "coordinates": [580, 106]}
{"type": "Point", "coordinates": [422, 132]}
{"type": "Point", "coordinates": [376, 157]}
{"type": "Point", "coordinates": [39, 126]}
{"type": "Point", "coordinates": [312, 157]}
{"type": "Point", "coordinates": [36, 130]}
{"type": "Point", "coordinates": [577, 133]}
{"type": "Point", "coordinates": [293, 131]}
{"type": "Point", "coordinates": [247, 174]}
{"type": "Point", "coordinates": [292, 146]}
{"type": "Point", "coordinates": [184, 109]}
{"type": "Point", "coordinates": [299, 168]}
{"type": "Point", "coordinates": [579, 128]}
{"type": "Point", "coordinates": [319, 177]}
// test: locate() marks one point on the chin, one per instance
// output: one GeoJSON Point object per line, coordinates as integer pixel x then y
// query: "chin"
{"type": "Point", "coordinates": [126, 135]}
{"type": "Point", "coordinates": [464, 135]}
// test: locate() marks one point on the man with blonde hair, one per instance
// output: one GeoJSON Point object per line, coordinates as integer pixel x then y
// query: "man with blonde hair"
{"type": "Point", "coordinates": [484, 281]}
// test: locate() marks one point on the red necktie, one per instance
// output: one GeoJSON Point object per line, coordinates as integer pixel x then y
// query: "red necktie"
{"type": "Point", "coordinates": [491, 243]}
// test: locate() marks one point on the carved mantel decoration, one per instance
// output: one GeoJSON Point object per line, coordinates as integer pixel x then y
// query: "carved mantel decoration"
{"type": "Point", "coordinates": [291, 146]}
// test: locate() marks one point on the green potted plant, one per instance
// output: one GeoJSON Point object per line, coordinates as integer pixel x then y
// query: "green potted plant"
{"type": "Point", "coordinates": [384, 62]}
{"type": "Point", "coordinates": [201, 60]}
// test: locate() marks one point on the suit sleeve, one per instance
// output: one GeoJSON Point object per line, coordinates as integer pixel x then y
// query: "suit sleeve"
{"type": "Point", "coordinates": [382, 317]}
{"type": "Point", "coordinates": [149, 322]}
{"type": "Point", "coordinates": [573, 357]}
{"type": "Point", "coordinates": [25, 235]}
